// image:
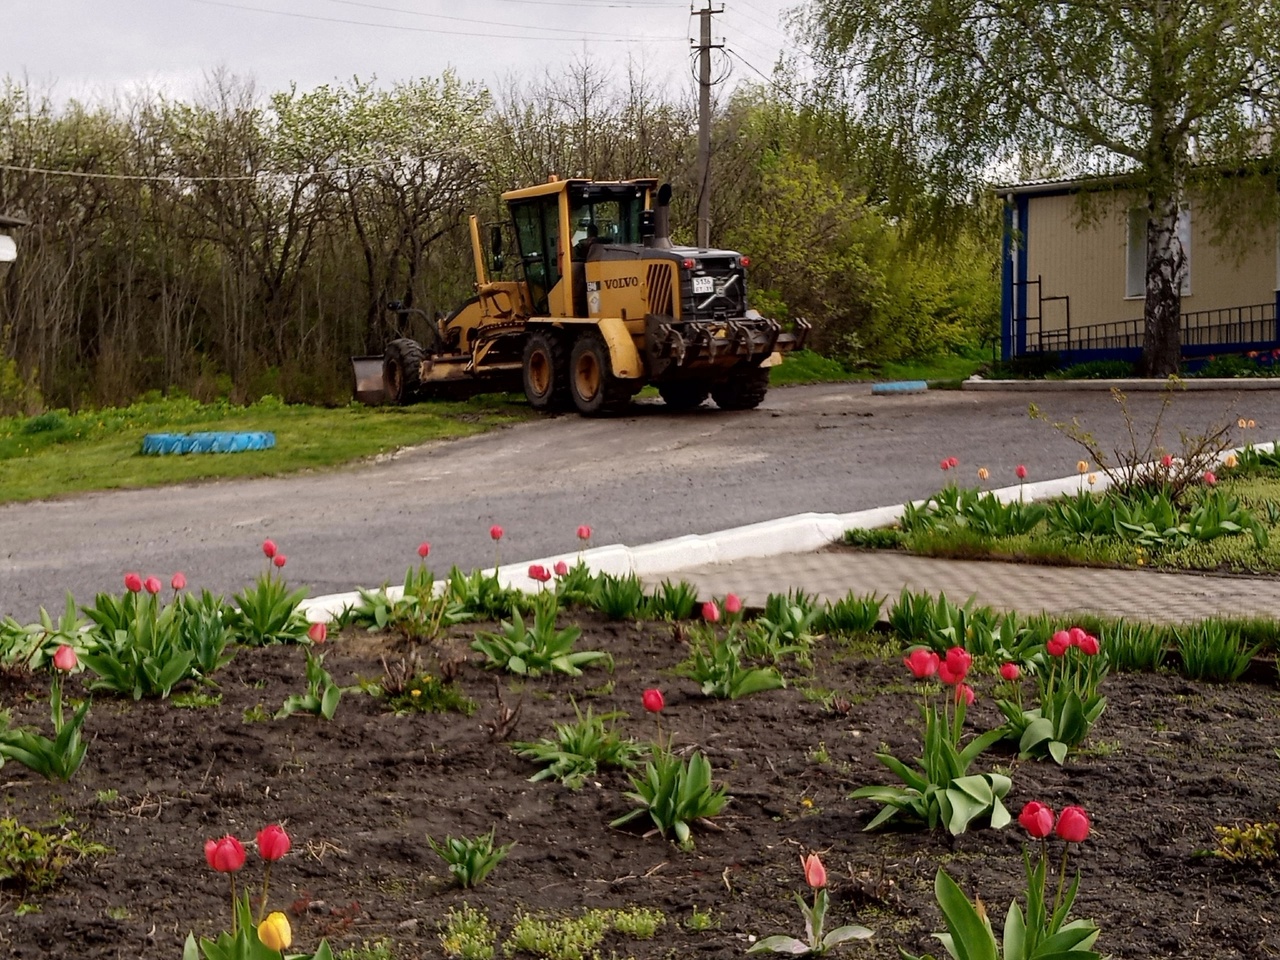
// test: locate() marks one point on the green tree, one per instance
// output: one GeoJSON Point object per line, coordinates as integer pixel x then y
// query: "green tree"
{"type": "Point", "coordinates": [1159, 92]}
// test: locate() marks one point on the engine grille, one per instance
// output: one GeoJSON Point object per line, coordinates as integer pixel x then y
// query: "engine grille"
{"type": "Point", "coordinates": [729, 296]}
{"type": "Point", "coordinates": [658, 278]}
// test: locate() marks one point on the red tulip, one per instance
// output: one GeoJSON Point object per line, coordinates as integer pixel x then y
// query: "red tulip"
{"type": "Point", "coordinates": [732, 603]}
{"type": "Point", "coordinates": [710, 612]}
{"type": "Point", "coordinates": [269, 548]}
{"type": "Point", "coordinates": [1089, 645]}
{"type": "Point", "coordinates": [953, 462]}
{"type": "Point", "coordinates": [1075, 635]}
{"type": "Point", "coordinates": [653, 700]}
{"type": "Point", "coordinates": [1037, 819]}
{"type": "Point", "coordinates": [1210, 478]}
{"type": "Point", "coordinates": [279, 560]}
{"type": "Point", "coordinates": [955, 667]}
{"type": "Point", "coordinates": [318, 633]}
{"type": "Point", "coordinates": [1059, 643]}
{"type": "Point", "coordinates": [1073, 825]}
{"type": "Point", "coordinates": [1020, 472]}
{"type": "Point", "coordinates": [153, 585]}
{"type": "Point", "coordinates": [921, 662]}
{"type": "Point", "coordinates": [132, 582]}
{"type": "Point", "coordinates": [584, 532]}
{"type": "Point", "coordinates": [815, 874]}
{"type": "Point", "coordinates": [64, 658]}
{"type": "Point", "coordinates": [945, 464]}
{"type": "Point", "coordinates": [1166, 461]}
{"type": "Point", "coordinates": [225, 855]}
{"type": "Point", "coordinates": [1010, 671]}
{"type": "Point", "coordinates": [562, 568]}
{"type": "Point", "coordinates": [540, 573]}
{"type": "Point", "coordinates": [964, 692]}
{"type": "Point", "coordinates": [424, 549]}
{"type": "Point", "coordinates": [179, 581]}
{"type": "Point", "coordinates": [495, 532]}
{"type": "Point", "coordinates": [273, 842]}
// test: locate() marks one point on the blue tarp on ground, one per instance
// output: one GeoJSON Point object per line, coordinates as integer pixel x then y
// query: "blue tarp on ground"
{"type": "Point", "coordinates": [220, 442]}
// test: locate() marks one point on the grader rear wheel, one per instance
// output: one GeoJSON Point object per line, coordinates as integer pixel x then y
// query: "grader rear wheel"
{"type": "Point", "coordinates": [594, 388]}
{"type": "Point", "coordinates": [545, 371]}
{"type": "Point", "coordinates": [402, 371]}
{"type": "Point", "coordinates": [745, 390]}
{"type": "Point", "coordinates": [684, 394]}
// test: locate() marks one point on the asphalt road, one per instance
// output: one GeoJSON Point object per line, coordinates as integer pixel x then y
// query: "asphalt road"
{"type": "Point", "coordinates": [636, 479]}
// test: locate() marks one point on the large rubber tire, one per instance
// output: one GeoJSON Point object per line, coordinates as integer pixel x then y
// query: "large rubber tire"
{"type": "Point", "coordinates": [745, 390]}
{"type": "Point", "coordinates": [684, 394]}
{"type": "Point", "coordinates": [592, 385]}
{"type": "Point", "coordinates": [545, 371]}
{"type": "Point", "coordinates": [401, 371]}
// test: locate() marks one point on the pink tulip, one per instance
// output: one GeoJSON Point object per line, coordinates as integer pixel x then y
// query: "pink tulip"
{"type": "Point", "coordinates": [1059, 643]}
{"type": "Point", "coordinates": [945, 464]}
{"type": "Point", "coordinates": [955, 666]}
{"type": "Point", "coordinates": [710, 612]}
{"type": "Point", "coordinates": [1075, 635]}
{"type": "Point", "coordinates": [1073, 824]}
{"type": "Point", "coordinates": [584, 532]}
{"type": "Point", "coordinates": [1166, 461]}
{"type": "Point", "coordinates": [318, 633]}
{"type": "Point", "coordinates": [273, 842]}
{"type": "Point", "coordinates": [964, 692]}
{"type": "Point", "coordinates": [953, 462]}
{"type": "Point", "coordinates": [225, 855]}
{"type": "Point", "coordinates": [815, 874]}
{"type": "Point", "coordinates": [921, 662]}
{"type": "Point", "coordinates": [424, 549]}
{"type": "Point", "coordinates": [64, 658]}
{"type": "Point", "coordinates": [1010, 671]}
{"type": "Point", "coordinates": [1020, 472]}
{"type": "Point", "coordinates": [732, 604]}
{"type": "Point", "coordinates": [279, 560]}
{"type": "Point", "coordinates": [269, 548]}
{"type": "Point", "coordinates": [153, 585]}
{"type": "Point", "coordinates": [1037, 819]}
{"type": "Point", "coordinates": [1210, 478]}
{"type": "Point", "coordinates": [562, 568]}
{"type": "Point", "coordinates": [653, 700]}
{"type": "Point", "coordinates": [1089, 645]}
{"type": "Point", "coordinates": [179, 581]}
{"type": "Point", "coordinates": [132, 582]}
{"type": "Point", "coordinates": [495, 532]}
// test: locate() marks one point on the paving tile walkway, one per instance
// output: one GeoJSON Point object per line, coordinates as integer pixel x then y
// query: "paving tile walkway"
{"type": "Point", "coordinates": [1026, 588]}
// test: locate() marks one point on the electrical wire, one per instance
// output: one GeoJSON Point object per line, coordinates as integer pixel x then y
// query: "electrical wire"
{"type": "Point", "coordinates": [763, 76]}
{"type": "Point", "coordinates": [180, 178]}
{"type": "Point", "coordinates": [572, 36]}
{"type": "Point", "coordinates": [443, 16]}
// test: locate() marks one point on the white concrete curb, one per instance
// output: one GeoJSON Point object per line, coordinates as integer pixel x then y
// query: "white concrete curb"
{"type": "Point", "coordinates": [1126, 386]}
{"type": "Point", "coordinates": [802, 533]}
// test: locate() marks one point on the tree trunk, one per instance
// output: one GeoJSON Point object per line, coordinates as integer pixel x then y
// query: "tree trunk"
{"type": "Point", "coordinates": [1162, 310]}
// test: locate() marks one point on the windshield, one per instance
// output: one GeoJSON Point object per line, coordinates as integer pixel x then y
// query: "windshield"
{"type": "Point", "coordinates": [607, 214]}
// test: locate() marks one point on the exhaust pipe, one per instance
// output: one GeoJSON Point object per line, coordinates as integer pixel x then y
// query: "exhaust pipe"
{"type": "Point", "coordinates": [662, 219]}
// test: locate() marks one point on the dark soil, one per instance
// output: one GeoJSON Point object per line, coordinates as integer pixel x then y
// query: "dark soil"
{"type": "Point", "coordinates": [1168, 761]}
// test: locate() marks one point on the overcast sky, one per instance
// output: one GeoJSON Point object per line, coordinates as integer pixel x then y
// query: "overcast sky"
{"type": "Point", "coordinates": [91, 49]}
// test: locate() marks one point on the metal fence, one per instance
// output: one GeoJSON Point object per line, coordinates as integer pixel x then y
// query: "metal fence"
{"type": "Point", "coordinates": [1250, 325]}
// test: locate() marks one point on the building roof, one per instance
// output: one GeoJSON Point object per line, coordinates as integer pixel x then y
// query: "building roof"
{"type": "Point", "coordinates": [1049, 186]}
{"type": "Point", "coordinates": [12, 221]}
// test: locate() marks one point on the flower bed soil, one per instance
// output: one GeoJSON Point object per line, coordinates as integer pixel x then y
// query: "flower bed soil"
{"type": "Point", "coordinates": [1169, 760]}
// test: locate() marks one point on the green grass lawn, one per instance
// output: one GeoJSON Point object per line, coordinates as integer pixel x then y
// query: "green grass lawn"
{"type": "Point", "coordinates": [805, 366]}
{"type": "Point", "coordinates": [59, 452]}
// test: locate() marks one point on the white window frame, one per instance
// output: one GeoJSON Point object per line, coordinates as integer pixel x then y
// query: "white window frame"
{"type": "Point", "coordinates": [1135, 276]}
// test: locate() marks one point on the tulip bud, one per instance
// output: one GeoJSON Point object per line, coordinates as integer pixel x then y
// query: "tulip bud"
{"type": "Point", "coordinates": [815, 874]}
{"type": "Point", "coordinates": [269, 548]}
{"type": "Point", "coordinates": [584, 532]}
{"type": "Point", "coordinates": [279, 560]}
{"type": "Point", "coordinates": [1073, 824]}
{"type": "Point", "coordinates": [1037, 819]}
{"type": "Point", "coordinates": [1075, 635]}
{"type": "Point", "coordinates": [1089, 645]}
{"type": "Point", "coordinates": [1058, 644]}
{"type": "Point", "coordinates": [953, 462]}
{"type": "Point", "coordinates": [964, 692]}
{"type": "Point", "coordinates": [1082, 466]}
{"type": "Point", "coordinates": [921, 662]}
{"type": "Point", "coordinates": [153, 585]}
{"type": "Point", "coordinates": [983, 473]}
{"type": "Point", "coordinates": [653, 700]}
{"type": "Point", "coordinates": [710, 612]}
{"type": "Point", "coordinates": [1230, 460]}
{"type": "Point", "coordinates": [732, 604]}
{"type": "Point", "coordinates": [273, 842]}
{"type": "Point", "coordinates": [318, 633]}
{"type": "Point", "coordinates": [1166, 461]}
{"type": "Point", "coordinates": [1020, 472]}
{"type": "Point", "coordinates": [1210, 478]}
{"type": "Point", "coordinates": [64, 658]}
{"type": "Point", "coordinates": [424, 548]}
{"type": "Point", "coordinates": [495, 532]}
{"type": "Point", "coordinates": [179, 581]}
{"type": "Point", "coordinates": [945, 464]}
{"type": "Point", "coordinates": [132, 582]}
{"type": "Point", "coordinates": [562, 568]}
{"type": "Point", "coordinates": [1010, 671]}
{"type": "Point", "coordinates": [275, 932]}
{"type": "Point", "coordinates": [1241, 423]}
{"type": "Point", "coordinates": [225, 855]}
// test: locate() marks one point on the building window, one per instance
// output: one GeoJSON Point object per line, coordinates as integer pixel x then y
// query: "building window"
{"type": "Point", "coordinates": [1136, 273]}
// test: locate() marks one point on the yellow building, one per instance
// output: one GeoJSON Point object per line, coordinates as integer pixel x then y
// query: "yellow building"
{"type": "Point", "coordinates": [1074, 284]}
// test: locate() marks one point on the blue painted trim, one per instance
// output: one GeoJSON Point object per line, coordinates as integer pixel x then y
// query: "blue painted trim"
{"type": "Point", "coordinates": [1277, 343]}
{"type": "Point", "coordinates": [1023, 202]}
{"type": "Point", "coordinates": [1006, 285]}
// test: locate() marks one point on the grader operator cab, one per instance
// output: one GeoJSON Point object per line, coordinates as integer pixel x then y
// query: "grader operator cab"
{"type": "Point", "coordinates": [604, 305]}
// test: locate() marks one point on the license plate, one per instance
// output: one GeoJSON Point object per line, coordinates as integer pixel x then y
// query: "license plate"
{"type": "Point", "coordinates": [704, 284]}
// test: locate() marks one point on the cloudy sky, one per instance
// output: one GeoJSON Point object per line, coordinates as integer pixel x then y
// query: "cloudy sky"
{"type": "Point", "coordinates": [92, 49]}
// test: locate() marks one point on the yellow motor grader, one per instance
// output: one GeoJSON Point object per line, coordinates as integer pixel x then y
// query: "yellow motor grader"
{"type": "Point", "coordinates": [604, 305]}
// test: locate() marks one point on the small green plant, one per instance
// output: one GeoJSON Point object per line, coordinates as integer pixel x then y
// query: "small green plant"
{"type": "Point", "coordinates": [107, 797]}
{"type": "Point", "coordinates": [426, 693]}
{"type": "Point", "coordinates": [715, 663]}
{"type": "Point", "coordinates": [207, 631]}
{"type": "Point", "coordinates": [255, 714]}
{"type": "Point", "coordinates": [32, 646]}
{"type": "Point", "coordinates": [619, 598]}
{"type": "Point", "coordinates": [672, 601]}
{"type": "Point", "coordinates": [577, 585]}
{"type": "Point", "coordinates": [195, 700]}
{"type": "Point", "coordinates": [820, 754]}
{"type": "Point", "coordinates": [537, 650]}
{"type": "Point", "coordinates": [470, 859]}
{"type": "Point", "coordinates": [467, 934]}
{"type": "Point", "coordinates": [136, 646]}
{"type": "Point", "coordinates": [1210, 650]}
{"type": "Point", "coordinates": [1136, 647]}
{"type": "Point", "coordinates": [32, 859]}
{"type": "Point", "coordinates": [557, 938]}
{"type": "Point", "coordinates": [58, 758]}
{"type": "Point", "coordinates": [850, 615]}
{"type": "Point", "coordinates": [481, 596]}
{"type": "Point", "coordinates": [676, 794]}
{"type": "Point", "coordinates": [1248, 843]}
{"type": "Point", "coordinates": [322, 696]}
{"type": "Point", "coordinates": [700, 921]}
{"type": "Point", "coordinates": [876, 538]}
{"type": "Point", "coordinates": [815, 942]}
{"type": "Point", "coordinates": [419, 614]}
{"type": "Point", "coordinates": [580, 748]}
{"type": "Point", "coordinates": [268, 611]}
{"type": "Point", "coordinates": [638, 923]}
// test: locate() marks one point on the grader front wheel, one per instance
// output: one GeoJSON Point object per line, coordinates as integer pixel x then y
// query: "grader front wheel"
{"type": "Point", "coordinates": [594, 388]}
{"type": "Point", "coordinates": [545, 370]}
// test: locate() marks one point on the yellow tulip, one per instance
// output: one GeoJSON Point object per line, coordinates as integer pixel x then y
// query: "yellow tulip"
{"type": "Point", "coordinates": [1082, 466]}
{"type": "Point", "coordinates": [1241, 423]}
{"type": "Point", "coordinates": [275, 932]}
{"type": "Point", "coordinates": [1231, 460]}
{"type": "Point", "coordinates": [1251, 424]}
{"type": "Point", "coordinates": [983, 473]}
{"type": "Point", "coordinates": [1093, 478]}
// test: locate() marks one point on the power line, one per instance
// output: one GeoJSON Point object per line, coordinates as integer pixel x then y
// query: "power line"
{"type": "Point", "coordinates": [571, 36]}
{"type": "Point", "coordinates": [758, 21]}
{"type": "Point", "coordinates": [443, 16]}
{"type": "Point", "coordinates": [182, 178]}
{"type": "Point", "coordinates": [763, 76]}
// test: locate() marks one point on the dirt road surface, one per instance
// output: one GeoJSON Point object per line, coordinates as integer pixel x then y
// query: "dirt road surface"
{"type": "Point", "coordinates": [635, 479]}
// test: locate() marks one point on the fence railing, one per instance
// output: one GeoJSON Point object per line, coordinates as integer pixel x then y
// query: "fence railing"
{"type": "Point", "coordinates": [1226, 326]}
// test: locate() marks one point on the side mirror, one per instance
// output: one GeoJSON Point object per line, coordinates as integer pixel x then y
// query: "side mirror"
{"type": "Point", "coordinates": [495, 248]}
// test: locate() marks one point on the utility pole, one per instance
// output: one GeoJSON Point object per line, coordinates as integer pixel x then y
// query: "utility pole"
{"type": "Point", "coordinates": [704, 48]}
